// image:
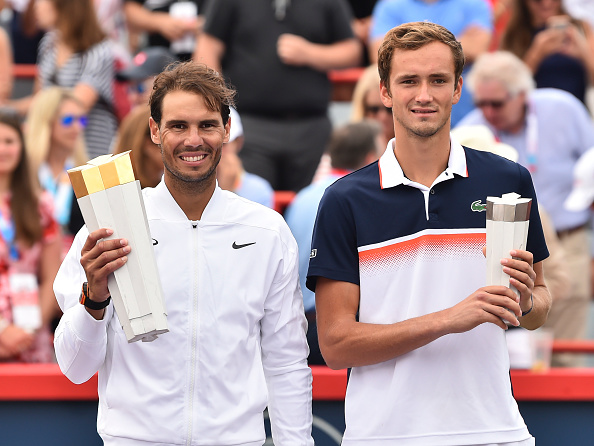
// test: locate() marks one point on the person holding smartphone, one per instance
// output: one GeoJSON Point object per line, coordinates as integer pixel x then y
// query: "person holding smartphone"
{"type": "Point", "coordinates": [558, 48]}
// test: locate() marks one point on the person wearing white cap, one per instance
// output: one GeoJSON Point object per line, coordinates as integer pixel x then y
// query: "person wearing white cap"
{"type": "Point", "coordinates": [232, 176]}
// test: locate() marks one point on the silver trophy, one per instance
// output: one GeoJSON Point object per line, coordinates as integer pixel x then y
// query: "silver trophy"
{"type": "Point", "coordinates": [507, 229]}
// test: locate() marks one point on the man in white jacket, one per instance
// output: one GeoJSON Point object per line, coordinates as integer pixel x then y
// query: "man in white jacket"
{"type": "Point", "coordinates": [229, 273]}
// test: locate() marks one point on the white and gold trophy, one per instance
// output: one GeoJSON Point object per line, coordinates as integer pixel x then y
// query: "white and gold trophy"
{"type": "Point", "coordinates": [507, 228]}
{"type": "Point", "coordinates": [109, 197]}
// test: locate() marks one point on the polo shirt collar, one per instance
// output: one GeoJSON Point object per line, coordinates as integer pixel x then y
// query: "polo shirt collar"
{"type": "Point", "coordinates": [391, 174]}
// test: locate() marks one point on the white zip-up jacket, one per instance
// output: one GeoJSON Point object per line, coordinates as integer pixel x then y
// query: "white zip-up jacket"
{"type": "Point", "coordinates": [237, 333]}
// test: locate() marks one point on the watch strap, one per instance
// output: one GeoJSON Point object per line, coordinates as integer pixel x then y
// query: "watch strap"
{"type": "Point", "coordinates": [89, 303]}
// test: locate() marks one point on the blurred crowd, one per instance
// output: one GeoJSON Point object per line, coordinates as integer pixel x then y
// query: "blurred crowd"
{"type": "Point", "coordinates": [527, 94]}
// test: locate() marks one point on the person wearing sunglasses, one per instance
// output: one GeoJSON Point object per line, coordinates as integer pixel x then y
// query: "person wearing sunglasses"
{"type": "Point", "coordinates": [366, 103]}
{"type": "Point", "coordinates": [54, 135]}
{"type": "Point", "coordinates": [550, 129]}
{"type": "Point", "coordinates": [558, 49]}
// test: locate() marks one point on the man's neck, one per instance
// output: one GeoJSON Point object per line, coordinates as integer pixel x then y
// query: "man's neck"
{"type": "Point", "coordinates": [423, 159]}
{"type": "Point", "coordinates": [191, 197]}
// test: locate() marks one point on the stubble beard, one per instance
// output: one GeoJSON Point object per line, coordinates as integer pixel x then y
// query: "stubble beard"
{"type": "Point", "coordinates": [190, 183]}
{"type": "Point", "coordinates": [420, 131]}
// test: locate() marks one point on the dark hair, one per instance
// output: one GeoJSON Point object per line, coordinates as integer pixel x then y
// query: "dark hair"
{"type": "Point", "coordinates": [24, 203]}
{"type": "Point", "coordinates": [352, 143]}
{"type": "Point", "coordinates": [518, 33]}
{"type": "Point", "coordinates": [78, 24]}
{"type": "Point", "coordinates": [194, 78]}
{"type": "Point", "coordinates": [412, 36]}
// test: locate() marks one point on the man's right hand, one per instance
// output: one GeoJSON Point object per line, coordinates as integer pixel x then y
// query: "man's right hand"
{"type": "Point", "coordinates": [492, 304]}
{"type": "Point", "coordinates": [99, 258]}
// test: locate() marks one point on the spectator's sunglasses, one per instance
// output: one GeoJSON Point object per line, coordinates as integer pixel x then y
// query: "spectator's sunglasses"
{"type": "Point", "coordinates": [69, 120]}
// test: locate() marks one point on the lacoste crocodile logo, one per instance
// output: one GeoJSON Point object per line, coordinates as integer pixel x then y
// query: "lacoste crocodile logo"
{"type": "Point", "coordinates": [477, 206]}
{"type": "Point", "coordinates": [236, 246]}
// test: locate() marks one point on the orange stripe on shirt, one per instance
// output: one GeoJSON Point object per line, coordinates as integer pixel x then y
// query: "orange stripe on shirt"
{"type": "Point", "coordinates": [437, 241]}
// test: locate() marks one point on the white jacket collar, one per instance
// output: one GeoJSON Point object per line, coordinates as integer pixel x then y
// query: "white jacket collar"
{"type": "Point", "coordinates": [170, 210]}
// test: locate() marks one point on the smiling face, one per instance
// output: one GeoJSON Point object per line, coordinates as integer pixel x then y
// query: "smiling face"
{"type": "Point", "coordinates": [422, 90]}
{"type": "Point", "coordinates": [191, 138]}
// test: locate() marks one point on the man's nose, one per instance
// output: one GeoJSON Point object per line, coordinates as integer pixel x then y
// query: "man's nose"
{"type": "Point", "coordinates": [193, 137]}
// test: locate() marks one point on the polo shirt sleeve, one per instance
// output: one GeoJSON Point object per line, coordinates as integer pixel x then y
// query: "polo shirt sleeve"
{"type": "Point", "coordinates": [536, 242]}
{"type": "Point", "coordinates": [334, 253]}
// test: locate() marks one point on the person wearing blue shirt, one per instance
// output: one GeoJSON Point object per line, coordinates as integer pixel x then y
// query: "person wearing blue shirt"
{"type": "Point", "coordinates": [351, 147]}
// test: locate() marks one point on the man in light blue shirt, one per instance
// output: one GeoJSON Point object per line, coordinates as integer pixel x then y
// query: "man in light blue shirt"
{"type": "Point", "coordinates": [351, 147]}
{"type": "Point", "coordinates": [550, 129]}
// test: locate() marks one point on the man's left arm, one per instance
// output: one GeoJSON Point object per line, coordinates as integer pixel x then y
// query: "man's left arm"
{"type": "Point", "coordinates": [528, 279]}
{"type": "Point", "coordinates": [296, 50]}
{"type": "Point", "coordinates": [284, 353]}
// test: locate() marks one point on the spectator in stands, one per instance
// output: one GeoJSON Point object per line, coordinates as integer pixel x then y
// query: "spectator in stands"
{"type": "Point", "coordinates": [23, 30]}
{"type": "Point", "coordinates": [75, 54]}
{"type": "Point", "coordinates": [135, 135]}
{"type": "Point", "coordinates": [278, 57]}
{"type": "Point", "coordinates": [30, 253]}
{"type": "Point", "coordinates": [230, 172]}
{"type": "Point", "coordinates": [550, 129]}
{"type": "Point", "coordinates": [350, 148]}
{"type": "Point", "coordinates": [471, 21]}
{"type": "Point", "coordinates": [141, 73]}
{"type": "Point", "coordinates": [362, 10]}
{"type": "Point", "coordinates": [558, 49]}
{"type": "Point", "coordinates": [6, 76]}
{"type": "Point", "coordinates": [366, 103]}
{"type": "Point", "coordinates": [169, 23]}
{"type": "Point", "coordinates": [54, 143]}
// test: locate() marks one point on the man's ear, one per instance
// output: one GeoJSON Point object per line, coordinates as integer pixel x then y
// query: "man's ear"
{"type": "Point", "coordinates": [458, 90]}
{"type": "Point", "coordinates": [155, 134]}
{"type": "Point", "coordinates": [227, 129]}
{"type": "Point", "coordinates": [385, 95]}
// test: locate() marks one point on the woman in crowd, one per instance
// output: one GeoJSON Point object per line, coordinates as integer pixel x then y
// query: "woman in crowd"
{"type": "Point", "coordinates": [146, 155]}
{"type": "Point", "coordinates": [30, 247]}
{"type": "Point", "coordinates": [367, 104]}
{"type": "Point", "coordinates": [556, 47]}
{"type": "Point", "coordinates": [53, 134]}
{"type": "Point", "coordinates": [75, 53]}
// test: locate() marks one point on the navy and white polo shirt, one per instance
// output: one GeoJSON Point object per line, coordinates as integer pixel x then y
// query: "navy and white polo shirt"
{"type": "Point", "coordinates": [414, 250]}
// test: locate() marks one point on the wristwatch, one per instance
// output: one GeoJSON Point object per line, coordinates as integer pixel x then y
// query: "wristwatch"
{"type": "Point", "coordinates": [89, 303]}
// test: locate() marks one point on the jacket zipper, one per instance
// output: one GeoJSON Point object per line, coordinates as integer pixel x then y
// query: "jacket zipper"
{"type": "Point", "coordinates": [195, 323]}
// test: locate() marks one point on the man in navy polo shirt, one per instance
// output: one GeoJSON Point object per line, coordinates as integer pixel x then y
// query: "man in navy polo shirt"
{"type": "Point", "coordinates": [399, 272]}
